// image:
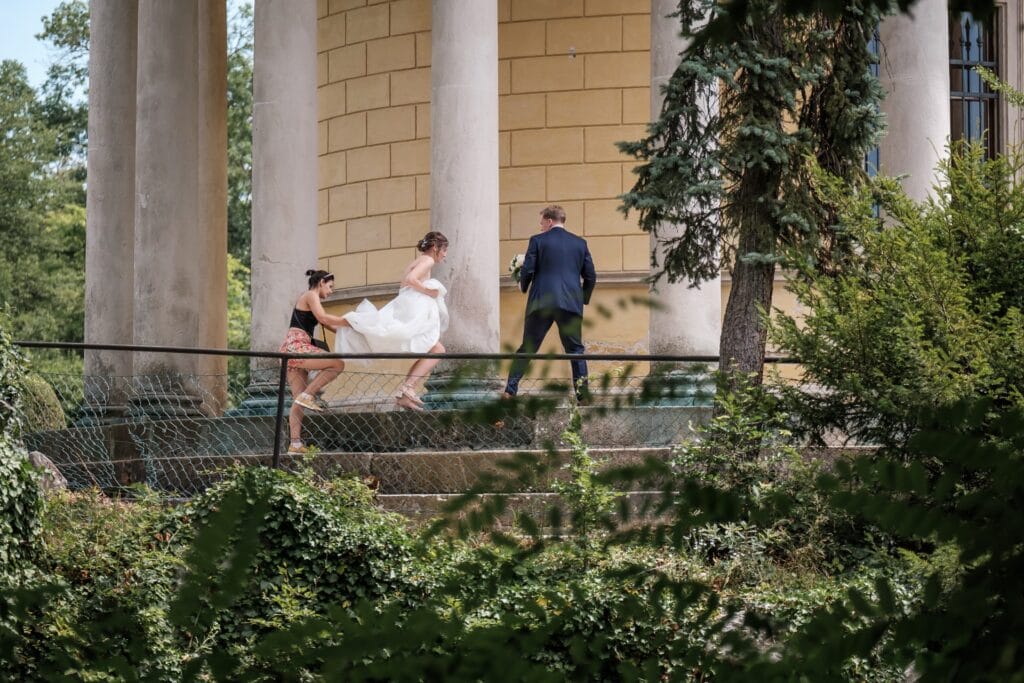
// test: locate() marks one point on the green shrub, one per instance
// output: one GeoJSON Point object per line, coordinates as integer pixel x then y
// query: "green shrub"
{"type": "Point", "coordinates": [112, 573]}
{"type": "Point", "coordinates": [40, 406]}
{"type": "Point", "coordinates": [20, 500]}
{"type": "Point", "coordinates": [782, 518]}
{"type": "Point", "coordinates": [315, 546]}
{"type": "Point", "coordinates": [925, 311]}
{"type": "Point", "coordinates": [590, 502]}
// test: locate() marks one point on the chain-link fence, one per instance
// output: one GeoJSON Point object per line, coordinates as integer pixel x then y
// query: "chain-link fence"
{"type": "Point", "coordinates": [176, 432]}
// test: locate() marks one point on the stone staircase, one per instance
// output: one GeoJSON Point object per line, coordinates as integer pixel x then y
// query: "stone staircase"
{"type": "Point", "coordinates": [420, 461]}
{"type": "Point", "coordinates": [420, 483]}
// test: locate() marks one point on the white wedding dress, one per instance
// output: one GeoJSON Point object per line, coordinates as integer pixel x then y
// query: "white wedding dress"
{"type": "Point", "coordinates": [412, 322]}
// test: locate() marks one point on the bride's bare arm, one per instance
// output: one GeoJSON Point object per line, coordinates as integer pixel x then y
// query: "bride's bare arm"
{"type": "Point", "coordinates": [414, 278]}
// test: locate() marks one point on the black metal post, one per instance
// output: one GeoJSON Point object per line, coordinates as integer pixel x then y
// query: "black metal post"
{"type": "Point", "coordinates": [280, 412]}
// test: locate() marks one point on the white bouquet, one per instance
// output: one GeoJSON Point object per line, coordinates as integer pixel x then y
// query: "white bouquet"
{"type": "Point", "coordinates": [515, 266]}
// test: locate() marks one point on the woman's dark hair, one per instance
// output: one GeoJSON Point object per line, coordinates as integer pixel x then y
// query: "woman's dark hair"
{"type": "Point", "coordinates": [318, 276]}
{"type": "Point", "coordinates": [431, 240]}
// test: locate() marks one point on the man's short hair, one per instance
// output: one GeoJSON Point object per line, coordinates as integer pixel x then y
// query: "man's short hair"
{"type": "Point", "coordinates": [554, 213]}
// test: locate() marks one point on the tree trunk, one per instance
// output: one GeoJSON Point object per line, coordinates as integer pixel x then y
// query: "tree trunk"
{"type": "Point", "coordinates": [744, 334]}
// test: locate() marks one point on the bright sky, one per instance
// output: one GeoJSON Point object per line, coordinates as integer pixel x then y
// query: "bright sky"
{"type": "Point", "coordinates": [20, 21]}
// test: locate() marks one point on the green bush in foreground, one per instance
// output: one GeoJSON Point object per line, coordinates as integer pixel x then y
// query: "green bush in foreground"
{"type": "Point", "coordinates": [313, 546]}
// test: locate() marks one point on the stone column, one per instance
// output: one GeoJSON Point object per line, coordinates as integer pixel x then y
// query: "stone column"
{"type": "Point", "coordinates": [110, 202]}
{"type": "Point", "coordinates": [915, 77]}
{"type": "Point", "coordinates": [213, 194]}
{"type": "Point", "coordinates": [171, 287]}
{"type": "Point", "coordinates": [684, 320]}
{"type": "Point", "coordinates": [464, 172]}
{"type": "Point", "coordinates": [284, 176]}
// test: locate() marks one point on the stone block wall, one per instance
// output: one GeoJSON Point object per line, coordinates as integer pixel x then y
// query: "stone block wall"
{"type": "Point", "coordinates": [374, 114]}
{"type": "Point", "coordinates": [573, 79]}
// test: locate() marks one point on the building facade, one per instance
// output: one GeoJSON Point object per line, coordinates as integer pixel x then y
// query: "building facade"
{"type": "Point", "coordinates": [376, 121]}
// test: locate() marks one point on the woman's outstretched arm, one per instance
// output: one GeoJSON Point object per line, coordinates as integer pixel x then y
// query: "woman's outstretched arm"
{"type": "Point", "coordinates": [331, 322]}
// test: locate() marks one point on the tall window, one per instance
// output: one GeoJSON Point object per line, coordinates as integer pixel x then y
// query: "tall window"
{"type": "Point", "coordinates": [873, 159]}
{"type": "Point", "coordinates": [974, 108]}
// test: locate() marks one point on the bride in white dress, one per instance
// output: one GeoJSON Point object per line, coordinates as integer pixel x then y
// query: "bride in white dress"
{"type": "Point", "coordinates": [412, 322]}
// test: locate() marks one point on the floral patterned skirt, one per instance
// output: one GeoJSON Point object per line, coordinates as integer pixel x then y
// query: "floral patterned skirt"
{"type": "Point", "coordinates": [297, 341]}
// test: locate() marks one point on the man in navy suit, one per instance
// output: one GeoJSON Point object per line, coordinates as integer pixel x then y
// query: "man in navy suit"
{"type": "Point", "coordinates": [559, 267]}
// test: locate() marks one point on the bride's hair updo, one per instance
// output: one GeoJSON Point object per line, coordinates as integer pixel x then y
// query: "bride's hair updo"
{"type": "Point", "coordinates": [432, 240]}
{"type": "Point", "coordinates": [318, 276]}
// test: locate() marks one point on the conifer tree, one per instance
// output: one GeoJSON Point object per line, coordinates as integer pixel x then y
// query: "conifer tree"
{"type": "Point", "coordinates": [734, 182]}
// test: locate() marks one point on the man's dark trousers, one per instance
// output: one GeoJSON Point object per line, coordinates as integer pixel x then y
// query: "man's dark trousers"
{"type": "Point", "coordinates": [570, 331]}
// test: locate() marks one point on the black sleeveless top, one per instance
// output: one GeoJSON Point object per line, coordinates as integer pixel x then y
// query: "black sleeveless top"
{"type": "Point", "coordinates": [304, 320]}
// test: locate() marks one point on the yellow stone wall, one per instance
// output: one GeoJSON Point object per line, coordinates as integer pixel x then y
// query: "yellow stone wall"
{"type": "Point", "coordinates": [573, 80]}
{"type": "Point", "coordinates": [374, 119]}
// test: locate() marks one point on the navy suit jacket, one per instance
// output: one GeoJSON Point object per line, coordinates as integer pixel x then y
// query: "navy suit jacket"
{"type": "Point", "coordinates": [559, 266]}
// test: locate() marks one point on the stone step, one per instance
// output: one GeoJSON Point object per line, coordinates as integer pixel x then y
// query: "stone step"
{"type": "Point", "coordinates": [454, 472]}
{"type": "Point", "coordinates": [422, 506]}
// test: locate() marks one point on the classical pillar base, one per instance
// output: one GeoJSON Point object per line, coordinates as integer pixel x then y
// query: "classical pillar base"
{"type": "Point", "coordinates": [683, 384]}
{"type": "Point", "coordinates": [261, 395]}
{"type": "Point", "coordinates": [260, 400]}
{"type": "Point", "coordinates": [163, 397]}
{"type": "Point", "coordinates": [102, 415]}
{"type": "Point", "coordinates": [166, 406]}
{"type": "Point", "coordinates": [106, 401]}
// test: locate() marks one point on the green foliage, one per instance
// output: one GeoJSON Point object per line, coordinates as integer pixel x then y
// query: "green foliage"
{"type": "Point", "coordinates": [1013, 96]}
{"type": "Point", "coordinates": [969, 624]}
{"type": "Point", "coordinates": [20, 498]}
{"type": "Point", "coordinates": [41, 408]}
{"type": "Point", "coordinates": [926, 309]}
{"type": "Point", "coordinates": [747, 449]}
{"type": "Point", "coordinates": [240, 40]}
{"type": "Point", "coordinates": [239, 319]}
{"type": "Point", "coordinates": [310, 542]}
{"type": "Point", "coordinates": [590, 502]}
{"type": "Point", "coordinates": [107, 567]}
{"type": "Point", "coordinates": [62, 101]}
{"type": "Point", "coordinates": [131, 589]}
{"type": "Point", "coordinates": [42, 231]}
{"type": "Point", "coordinates": [35, 231]}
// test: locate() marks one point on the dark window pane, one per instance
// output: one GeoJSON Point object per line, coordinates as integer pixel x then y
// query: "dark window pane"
{"type": "Point", "coordinates": [973, 105]}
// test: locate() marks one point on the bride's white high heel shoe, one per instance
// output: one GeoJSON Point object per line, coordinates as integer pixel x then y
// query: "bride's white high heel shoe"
{"type": "Point", "coordinates": [406, 398]}
{"type": "Point", "coordinates": [409, 392]}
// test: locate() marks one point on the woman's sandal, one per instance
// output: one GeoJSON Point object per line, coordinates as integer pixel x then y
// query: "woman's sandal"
{"type": "Point", "coordinates": [308, 402]}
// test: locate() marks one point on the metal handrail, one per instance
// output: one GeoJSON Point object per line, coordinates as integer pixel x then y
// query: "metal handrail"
{"type": "Point", "coordinates": [146, 348]}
